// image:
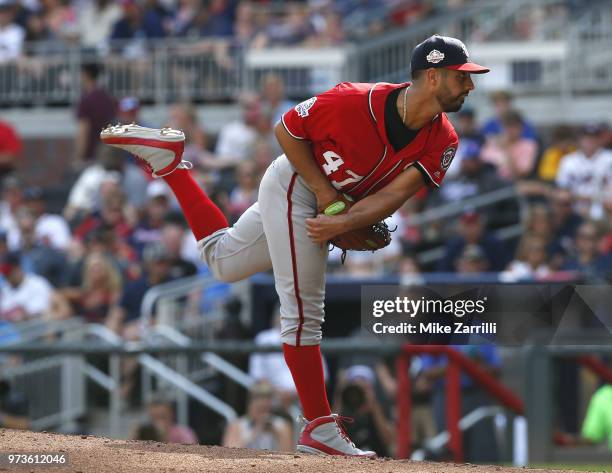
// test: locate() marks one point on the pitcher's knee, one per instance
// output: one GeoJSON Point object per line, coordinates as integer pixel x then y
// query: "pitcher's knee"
{"type": "Point", "coordinates": [307, 333]}
{"type": "Point", "coordinates": [223, 272]}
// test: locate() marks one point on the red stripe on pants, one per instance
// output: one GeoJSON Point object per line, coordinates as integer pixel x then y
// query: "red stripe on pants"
{"type": "Point", "coordinates": [296, 286]}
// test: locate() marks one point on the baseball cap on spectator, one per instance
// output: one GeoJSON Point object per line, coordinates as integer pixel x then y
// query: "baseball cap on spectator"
{"type": "Point", "coordinates": [357, 372]}
{"type": "Point", "coordinates": [470, 216]}
{"type": "Point", "coordinates": [129, 104]}
{"type": "Point", "coordinates": [444, 52]}
{"type": "Point", "coordinates": [8, 261]}
{"type": "Point", "coordinates": [157, 188]}
{"type": "Point", "coordinates": [34, 193]}
{"type": "Point", "coordinates": [155, 253]}
{"type": "Point", "coordinates": [592, 129]}
{"type": "Point", "coordinates": [470, 149]}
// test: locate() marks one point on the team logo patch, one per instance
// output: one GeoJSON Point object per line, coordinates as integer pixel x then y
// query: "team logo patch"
{"type": "Point", "coordinates": [435, 56]}
{"type": "Point", "coordinates": [303, 107]}
{"type": "Point", "coordinates": [447, 157]}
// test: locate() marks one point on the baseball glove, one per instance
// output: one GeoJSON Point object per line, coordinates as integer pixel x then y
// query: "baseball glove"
{"type": "Point", "coordinates": [371, 238]}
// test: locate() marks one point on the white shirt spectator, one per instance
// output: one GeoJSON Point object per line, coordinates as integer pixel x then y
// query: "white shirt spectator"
{"type": "Point", "coordinates": [587, 178]}
{"type": "Point", "coordinates": [84, 195]}
{"type": "Point", "coordinates": [95, 25]}
{"type": "Point", "coordinates": [11, 42]}
{"type": "Point", "coordinates": [32, 296]}
{"type": "Point", "coordinates": [8, 225]}
{"type": "Point", "coordinates": [271, 366]}
{"type": "Point", "coordinates": [235, 141]}
{"type": "Point", "coordinates": [521, 271]}
{"type": "Point", "coordinates": [52, 230]}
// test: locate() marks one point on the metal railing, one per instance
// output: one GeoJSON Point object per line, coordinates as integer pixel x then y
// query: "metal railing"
{"type": "Point", "coordinates": [479, 202]}
{"type": "Point", "coordinates": [214, 69]}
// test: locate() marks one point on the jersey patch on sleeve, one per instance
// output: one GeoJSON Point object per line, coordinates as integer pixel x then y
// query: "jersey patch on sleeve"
{"type": "Point", "coordinates": [303, 107]}
{"type": "Point", "coordinates": [447, 157]}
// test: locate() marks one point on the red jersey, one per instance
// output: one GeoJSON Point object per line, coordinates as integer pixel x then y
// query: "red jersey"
{"type": "Point", "coordinates": [346, 128]}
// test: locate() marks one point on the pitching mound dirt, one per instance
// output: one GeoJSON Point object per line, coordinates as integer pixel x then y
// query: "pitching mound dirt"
{"type": "Point", "coordinates": [98, 454]}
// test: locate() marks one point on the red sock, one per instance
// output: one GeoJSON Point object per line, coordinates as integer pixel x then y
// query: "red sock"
{"type": "Point", "coordinates": [203, 215]}
{"type": "Point", "coordinates": [306, 365]}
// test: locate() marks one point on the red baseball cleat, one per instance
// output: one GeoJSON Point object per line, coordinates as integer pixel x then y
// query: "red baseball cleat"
{"type": "Point", "coordinates": [326, 435]}
{"type": "Point", "coordinates": [161, 150]}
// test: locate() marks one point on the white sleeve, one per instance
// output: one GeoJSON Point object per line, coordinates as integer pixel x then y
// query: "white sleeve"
{"type": "Point", "coordinates": [40, 291]}
{"type": "Point", "coordinates": [564, 172]}
{"type": "Point", "coordinates": [83, 192]}
{"type": "Point", "coordinates": [225, 146]}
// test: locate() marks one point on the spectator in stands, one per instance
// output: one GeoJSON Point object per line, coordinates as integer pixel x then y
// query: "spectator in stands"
{"type": "Point", "coordinates": [112, 214]}
{"type": "Point", "coordinates": [12, 198]}
{"type": "Point", "coordinates": [162, 417]}
{"type": "Point", "coordinates": [10, 145]}
{"type": "Point", "coordinates": [472, 261]}
{"type": "Point", "coordinates": [137, 24]}
{"type": "Point", "coordinates": [474, 178]}
{"type": "Point", "coordinates": [222, 14]}
{"type": "Point", "coordinates": [470, 139]}
{"type": "Point", "coordinates": [184, 116]}
{"type": "Point", "coordinates": [27, 296]}
{"type": "Point", "coordinates": [173, 241]}
{"type": "Point", "coordinates": [328, 31]}
{"type": "Point", "coordinates": [123, 316]}
{"type": "Point", "coordinates": [100, 289]}
{"type": "Point", "coordinates": [245, 193]}
{"type": "Point", "coordinates": [501, 101]}
{"type": "Point", "coordinates": [562, 143]}
{"type": "Point", "coordinates": [587, 173]}
{"type": "Point", "coordinates": [11, 34]}
{"type": "Point", "coordinates": [291, 30]}
{"type": "Point", "coordinates": [248, 24]}
{"type": "Point", "coordinates": [480, 445]}
{"type": "Point", "coordinates": [60, 20]}
{"type": "Point", "coordinates": [273, 101]}
{"type": "Point", "coordinates": [587, 260]}
{"type": "Point", "coordinates": [129, 111]}
{"type": "Point", "coordinates": [355, 397]}
{"type": "Point", "coordinates": [96, 109]}
{"type": "Point", "coordinates": [606, 241]}
{"type": "Point", "coordinates": [409, 271]}
{"type": "Point", "coordinates": [513, 155]}
{"type": "Point", "coordinates": [260, 428]}
{"type": "Point", "coordinates": [50, 229]}
{"type": "Point", "coordinates": [271, 367]}
{"type": "Point", "coordinates": [262, 154]}
{"type": "Point", "coordinates": [14, 408]}
{"type": "Point", "coordinates": [237, 138]}
{"type": "Point", "coordinates": [41, 259]}
{"type": "Point", "coordinates": [108, 230]}
{"type": "Point", "coordinates": [95, 23]}
{"type": "Point", "coordinates": [111, 166]}
{"type": "Point", "coordinates": [531, 262]}
{"type": "Point", "coordinates": [472, 232]}
{"type": "Point", "coordinates": [149, 227]}
{"type": "Point", "coordinates": [565, 223]}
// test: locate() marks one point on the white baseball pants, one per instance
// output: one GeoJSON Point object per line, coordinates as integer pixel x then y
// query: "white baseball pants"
{"type": "Point", "coordinates": [272, 234]}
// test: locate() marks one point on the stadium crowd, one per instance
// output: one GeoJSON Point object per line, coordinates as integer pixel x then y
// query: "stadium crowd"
{"type": "Point", "coordinates": [118, 233]}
